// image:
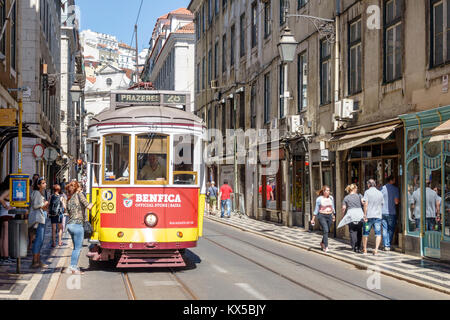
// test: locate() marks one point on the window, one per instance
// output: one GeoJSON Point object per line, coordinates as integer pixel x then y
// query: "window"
{"type": "Point", "coordinates": [440, 32]}
{"type": "Point", "coordinates": [116, 169]}
{"type": "Point", "coordinates": [253, 106]}
{"type": "Point", "coordinates": [209, 66]}
{"type": "Point", "coordinates": [209, 12]}
{"type": "Point", "coordinates": [13, 36]}
{"type": "Point", "coordinates": [152, 158]}
{"type": "Point", "coordinates": [197, 25]}
{"type": "Point", "coordinates": [302, 81]}
{"type": "Point", "coordinates": [216, 7]}
{"type": "Point", "coordinates": [224, 4]}
{"type": "Point", "coordinates": [197, 82]}
{"type": "Point", "coordinates": [283, 8]}
{"type": "Point", "coordinates": [393, 40]}
{"type": "Point", "coordinates": [242, 36]}
{"type": "Point", "coordinates": [216, 115]}
{"type": "Point", "coordinates": [281, 91]}
{"type": "Point", "coordinates": [267, 19]}
{"type": "Point", "coordinates": [302, 3]}
{"type": "Point", "coordinates": [325, 72]}
{"type": "Point", "coordinates": [254, 23]}
{"type": "Point", "coordinates": [224, 118]}
{"type": "Point", "coordinates": [355, 63]}
{"type": "Point", "coordinates": [109, 82]}
{"type": "Point", "coordinates": [203, 19]}
{"type": "Point", "coordinates": [267, 98]}
{"type": "Point", "coordinates": [242, 111]}
{"type": "Point", "coordinates": [224, 53]}
{"type": "Point", "coordinates": [183, 165]}
{"type": "Point", "coordinates": [3, 21]}
{"type": "Point", "coordinates": [232, 36]}
{"type": "Point", "coordinates": [232, 114]}
{"type": "Point", "coordinates": [203, 73]}
{"type": "Point", "coordinates": [216, 60]}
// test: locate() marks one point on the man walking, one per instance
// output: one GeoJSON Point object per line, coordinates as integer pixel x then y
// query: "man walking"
{"type": "Point", "coordinates": [373, 205]}
{"type": "Point", "coordinates": [225, 198]}
{"type": "Point", "coordinates": [391, 197]}
{"type": "Point", "coordinates": [212, 194]}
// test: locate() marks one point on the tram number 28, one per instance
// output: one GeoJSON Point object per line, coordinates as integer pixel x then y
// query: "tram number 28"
{"type": "Point", "coordinates": [173, 98]}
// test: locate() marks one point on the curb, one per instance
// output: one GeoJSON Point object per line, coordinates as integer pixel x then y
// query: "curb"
{"type": "Point", "coordinates": [357, 264]}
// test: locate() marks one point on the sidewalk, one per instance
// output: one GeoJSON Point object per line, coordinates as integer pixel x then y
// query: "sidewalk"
{"type": "Point", "coordinates": [32, 284]}
{"type": "Point", "coordinates": [425, 273]}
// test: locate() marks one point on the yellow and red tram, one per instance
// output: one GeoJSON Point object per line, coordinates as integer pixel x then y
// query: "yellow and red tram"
{"type": "Point", "coordinates": [146, 179]}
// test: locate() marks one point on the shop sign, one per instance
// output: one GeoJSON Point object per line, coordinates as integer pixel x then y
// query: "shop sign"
{"type": "Point", "coordinates": [19, 191]}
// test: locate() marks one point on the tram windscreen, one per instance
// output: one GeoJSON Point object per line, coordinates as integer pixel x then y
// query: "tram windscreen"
{"type": "Point", "coordinates": [117, 158]}
{"type": "Point", "coordinates": [183, 166]}
{"type": "Point", "coordinates": [151, 158]}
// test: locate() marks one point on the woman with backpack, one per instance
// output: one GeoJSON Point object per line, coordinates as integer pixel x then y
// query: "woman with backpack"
{"type": "Point", "coordinates": [76, 208]}
{"type": "Point", "coordinates": [56, 213]}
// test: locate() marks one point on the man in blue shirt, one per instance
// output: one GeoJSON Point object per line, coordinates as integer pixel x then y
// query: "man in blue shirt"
{"type": "Point", "coordinates": [391, 197]}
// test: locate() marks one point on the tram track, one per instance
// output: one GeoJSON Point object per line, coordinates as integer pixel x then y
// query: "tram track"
{"type": "Point", "coordinates": [295, 262]}
{"type": "Point", "coordinates": [128, 286]}
{"type": "Point", "coordinates": [185, 288]}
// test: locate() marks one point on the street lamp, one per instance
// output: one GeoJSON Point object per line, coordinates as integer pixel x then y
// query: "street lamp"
{"type": "Point", "coordinates": [287, 46]}
{"type": "Point", "coordinates": [75, 93]}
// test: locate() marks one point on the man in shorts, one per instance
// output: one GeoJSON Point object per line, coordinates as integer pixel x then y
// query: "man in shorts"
{"type": "Point", "coordinates": [212, 194]}
{"type": "Point", "coordinates": [373, 205]}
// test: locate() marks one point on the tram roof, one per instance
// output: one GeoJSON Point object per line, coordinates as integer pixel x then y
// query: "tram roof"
{"type": "Point", "coordinates": [145, 115]}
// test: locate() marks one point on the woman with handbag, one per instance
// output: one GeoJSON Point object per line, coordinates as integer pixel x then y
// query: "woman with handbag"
{"type": "Point", "coordinates": [36, 220]}
{"type": "Point", "coordinates": [76, 208]}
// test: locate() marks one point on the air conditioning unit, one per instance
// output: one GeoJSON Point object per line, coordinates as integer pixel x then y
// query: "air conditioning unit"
{"type": "Point", "coordinates": [214, 84]}
{"type": "Point", "coordinates": [344, 109]}
{"type": "Point", "coordinates": [274, 124]}
{"type": "Point", "coordinates": [295, 124]}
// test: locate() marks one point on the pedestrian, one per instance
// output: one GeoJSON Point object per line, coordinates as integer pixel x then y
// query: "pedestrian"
{"type": "Point", "coordinates": [36, 220]}
{"type": "Point", "coordinates": [432, 207]}
{"type": "Point", "coordinates": [225, 198]}
{"type": "Point", "coordinates": [212, 191]}
{"type": "Point", "coordinates": [5, 217]}
{"type": "Point", "coordinates": [63, 185]}
{"type": "Point", "coordinates": [391, 198]}
{"type": "Point", "coordinates": [76, 208]}
{"type": "Point", "coordinates": [326, 213]}
{"type": "Point", "coordinates": [208, 185]}
{"type": "Point", "coordinates": [56, 213]}
{"type": "Point", "coordinates": [353, 205]}
{"type": "Point", "coordinates": [31, 232]}
{"type": "Point", "coordinates": [373, 205]}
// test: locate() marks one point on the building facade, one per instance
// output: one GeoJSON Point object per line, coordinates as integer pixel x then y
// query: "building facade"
{"type": "Point", "coordinates": [170, 61]}
{"type": "Point", "coordinates": [357, 103]}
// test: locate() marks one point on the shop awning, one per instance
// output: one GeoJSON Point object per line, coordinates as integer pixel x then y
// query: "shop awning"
{"type": "Point", "coordinates": [355, 139]}
{"type": "Point", "coordinates": [441, 133]}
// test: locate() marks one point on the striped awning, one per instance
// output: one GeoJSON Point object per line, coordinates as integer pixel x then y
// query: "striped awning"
{"type": "Point", "coordinates": [441, 133]}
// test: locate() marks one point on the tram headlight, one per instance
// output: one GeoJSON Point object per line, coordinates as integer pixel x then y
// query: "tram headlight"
{"type": "Point", "coordinates": [151, 220]}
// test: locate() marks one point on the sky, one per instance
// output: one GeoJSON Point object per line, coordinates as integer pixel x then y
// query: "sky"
{"type": "Point", "coordinates": [117, 17]}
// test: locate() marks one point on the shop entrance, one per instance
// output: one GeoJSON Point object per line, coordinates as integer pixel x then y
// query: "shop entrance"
{"type": "Point", "coordinates": [301, 190]}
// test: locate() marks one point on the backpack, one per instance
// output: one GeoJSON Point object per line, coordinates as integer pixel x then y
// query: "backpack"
{"type": "Point", "coordinates": [55, 206]}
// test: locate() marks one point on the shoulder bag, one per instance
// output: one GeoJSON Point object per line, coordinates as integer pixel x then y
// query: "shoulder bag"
{"type": "Point", "coordinates": [87, 227]}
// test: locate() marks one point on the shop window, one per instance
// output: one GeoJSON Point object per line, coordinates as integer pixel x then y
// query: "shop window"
{"type": "Point", "coordinates": [151, 159]}
{"type": "Point", "coordinates": [376, 150]}
{"type": "Point", "coordinates": [446, 193]}
{"type": "Point", "coordinates": [117, 155]}
{"type": "Point", "coordinates": [413, 197]}
{"type": "Point", "coordinates": [413, 138]}
{"type": "Point", "coordinates": [373, 169]}
{"type": "Point", "coordinates": [390, 149]}
{"type": "Point", "coordinates": [272, 192]}
{"type": "Point", "coordinates": [433, 199]}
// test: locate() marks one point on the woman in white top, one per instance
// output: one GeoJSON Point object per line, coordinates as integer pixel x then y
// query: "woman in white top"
{"type": "Point", "coordinates": [4, 218]}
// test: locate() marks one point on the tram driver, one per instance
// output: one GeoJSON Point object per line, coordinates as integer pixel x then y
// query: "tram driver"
{"type": "Point", "coordinates": [152, 170]}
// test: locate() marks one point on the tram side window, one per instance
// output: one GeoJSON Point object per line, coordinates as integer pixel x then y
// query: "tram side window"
{"type": "Point", "coordinates": [151, 158]}
{"type": "Point", "coordinates": [183, 167]}
{"type": "Point", "coordinates": [117, 156]}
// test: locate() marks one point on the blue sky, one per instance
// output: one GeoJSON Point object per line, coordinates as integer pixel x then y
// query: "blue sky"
{"type": "Point", "coordinates": [117, 17]}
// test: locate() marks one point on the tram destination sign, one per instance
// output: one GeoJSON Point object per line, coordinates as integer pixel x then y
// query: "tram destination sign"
{"type": "Point", "coordinates": [150, 98]}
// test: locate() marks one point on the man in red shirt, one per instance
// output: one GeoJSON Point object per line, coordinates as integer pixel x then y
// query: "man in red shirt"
{"type": "Point", "coordinates": [225, 198]}
{"type": "Point", "coordinates": [268, 191]}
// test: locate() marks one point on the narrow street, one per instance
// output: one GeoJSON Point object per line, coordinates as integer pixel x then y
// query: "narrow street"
{"type": "Point", "coordinates": [229, 264]}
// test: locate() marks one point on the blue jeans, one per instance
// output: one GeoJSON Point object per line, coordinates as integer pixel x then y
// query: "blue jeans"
{"type": "Point", "coordinates": [76, 231]}
{"type": "Point", "coordinates": [375, 223]}
{"type": "Point", "coordinates": [39, 240]}
{"type": "Point", "coordinates": [388, 223]}
{"type": "Point", "coordinates": [228, 204]}
{"type": "Point", "coordinates": [431, 222]}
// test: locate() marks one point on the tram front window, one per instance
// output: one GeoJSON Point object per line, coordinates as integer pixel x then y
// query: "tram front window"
{"type": "Point", "coordinates": [183, 166]}
{"type": "Point", "coordinates": [117, 156]}
{"type": "Point", "coordinates": [151, 157]}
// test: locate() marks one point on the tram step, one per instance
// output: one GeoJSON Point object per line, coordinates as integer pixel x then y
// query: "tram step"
{"type": "Point", "coordinates": [153, 259]}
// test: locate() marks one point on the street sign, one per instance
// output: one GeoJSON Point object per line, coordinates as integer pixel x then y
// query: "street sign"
{"type": "Point", "coordinates": [38, 151]}
{"type": "Point", "coordinates": [50, 154]}
{"type": "Point", "coordinates": [27, 92]}
{"type": "Point", "coordinates": [8, 117]}
{"type": "Point", "coordinates": [19, 190]}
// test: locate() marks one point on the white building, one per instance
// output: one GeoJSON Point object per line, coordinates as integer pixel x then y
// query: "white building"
{"type": "Point", "coordinates": [127, 56]}
{"type": "Point", "coordinates": [170, 63]}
